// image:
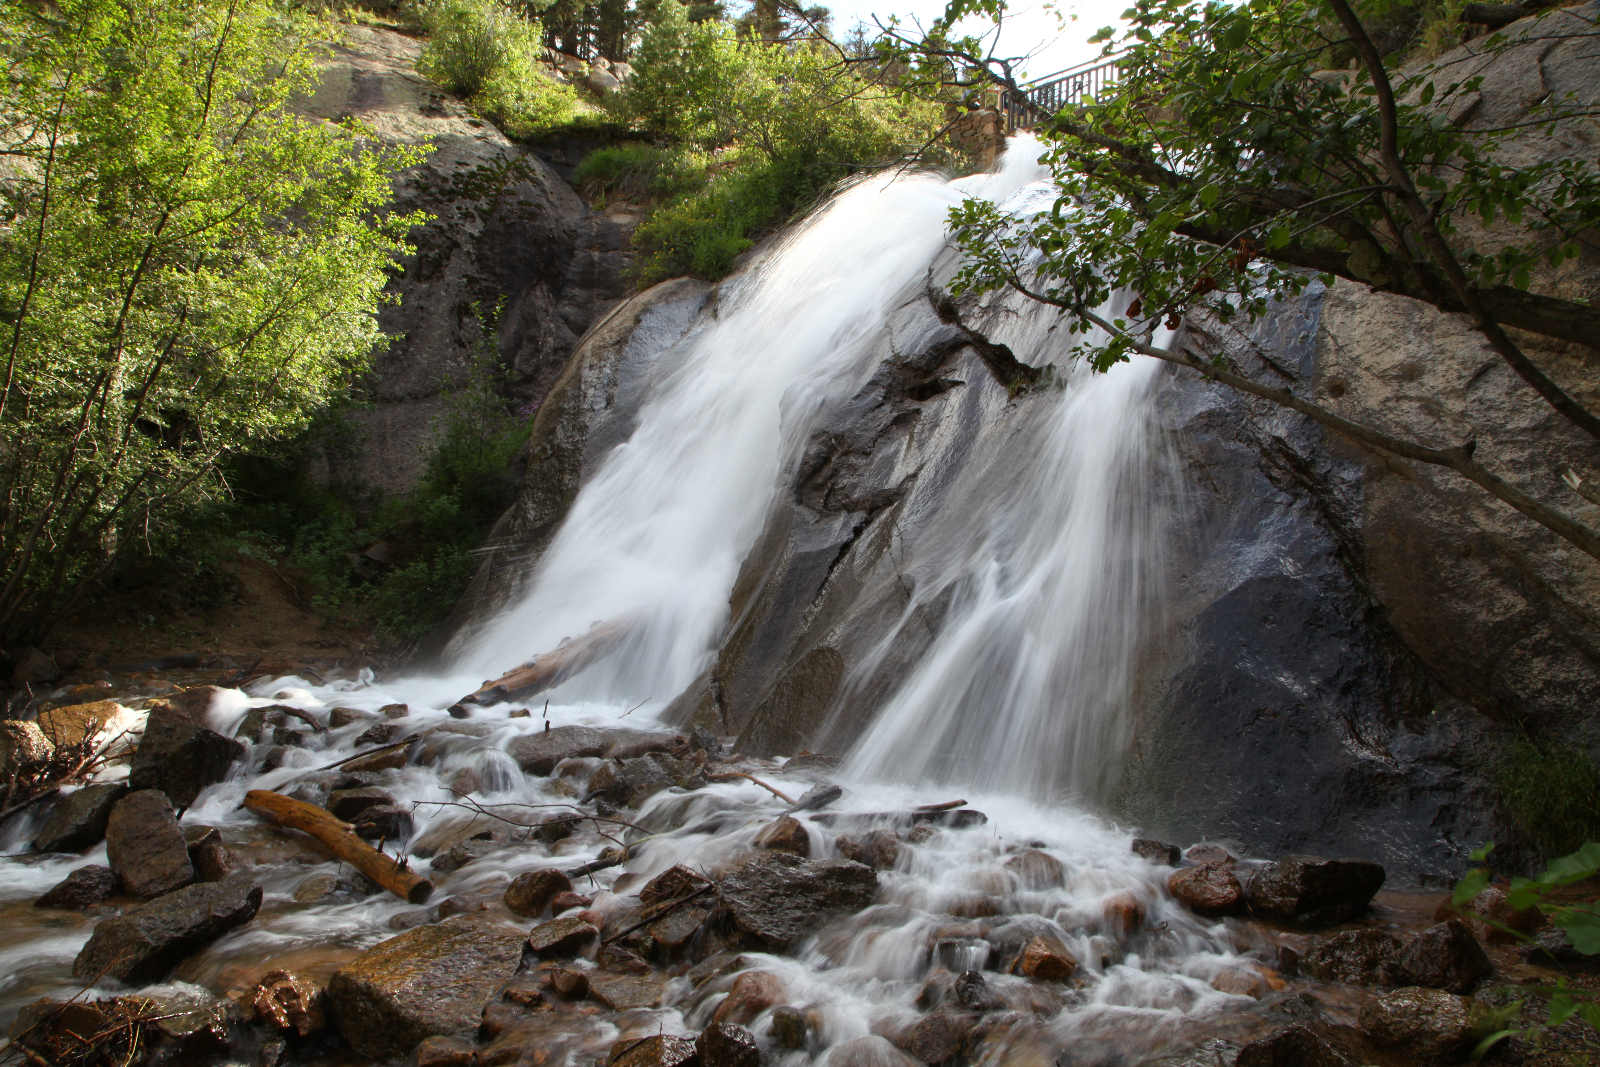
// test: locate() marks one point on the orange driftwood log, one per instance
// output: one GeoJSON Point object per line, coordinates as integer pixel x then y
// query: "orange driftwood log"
{"type": "Point", "coordinates": [342, 841]}
{"type": "Point", "coordinates": [554, 667]}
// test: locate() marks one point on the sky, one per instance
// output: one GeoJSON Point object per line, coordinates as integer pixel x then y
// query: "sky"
{"type": "Point", "coordinates": [1055, 43]}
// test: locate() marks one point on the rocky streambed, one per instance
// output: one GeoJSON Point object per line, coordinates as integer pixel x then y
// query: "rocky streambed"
{"type": "Point", "coordinates": [609, 891]}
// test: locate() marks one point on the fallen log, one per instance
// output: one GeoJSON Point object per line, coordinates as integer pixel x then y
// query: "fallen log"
{"type": "Point", "coordinates": [552, 668]}
{"type": "Point", "coordinates": [342, 842]}
{"type": "Point", "coordinates": [948, 805]}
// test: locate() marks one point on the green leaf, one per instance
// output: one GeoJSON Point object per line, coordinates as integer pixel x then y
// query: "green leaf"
{"type": "Point", "coordinates": [1561, 1009]}
{"type": "Point", "coordinates": [1582, 924]}
{"type": "Point", "coordinates": [1483, 1047]}
{"type": "Point", "coordinates": [1468, 888]}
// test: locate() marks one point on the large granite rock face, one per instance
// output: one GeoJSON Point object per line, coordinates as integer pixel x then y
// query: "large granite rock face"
{"type": "Point", "coordinates": [431, 981]}
{"type": "Point", "coordinates": [507, 233]}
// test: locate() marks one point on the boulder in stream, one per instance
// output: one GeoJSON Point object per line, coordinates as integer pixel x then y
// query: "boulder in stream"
{"type": "Point", "coordinates": [83, 888]}
{"type": "Point", "coordinates": [624, 992]}
{"type": "Point", "coordinates": [538, 753]}
{"type": "Point", "coordinates": [179, 756]}
{"type": "Point", "coordinates": [1299, 1045]}
{"type": "Point", "coordinates": [1044, 957]}
{"type": "Point", "coordinates": [657, 1050]}
{"type": "Point", "coordinates": [752, 993]}
{"type": "Point", "coordinates": [78, 820]}
{"type": "Point", "coordinates": [22, 742]}
{"type": "Point", "coordinates": [777, 898]}
{"type": "Point", "coordinates": [1445, 956]}
{"type": "Point", "coordinates": [1210, 889]}
{"type": "Point", "coordinates": [1313, 891]}
{"type": "Point", "coordinates": [146, 848]}
{"type": "Point", "coordinates": [531, 891]}
{"type": "Point", "coordinates": [727, 1045]}
{"type": "Point", "coordinates": [1430, 1025]}
{"type": "Point", "coordinates": [786, 834]}
{"type": "Point", "coordinates": [148, 941]}
{"type": "Point", "coordinates": [559, 938]}
{"type": "Point", "coordinates": [431, 981]}
{"type": "Point", "coordinates": [1158, 852]}
{"type": "Point", "coordinates": [672, 883]}
{"type": "Point", "coordinates": [879, 849]}
{"type": "Point", "coordinates": [1356, 957]}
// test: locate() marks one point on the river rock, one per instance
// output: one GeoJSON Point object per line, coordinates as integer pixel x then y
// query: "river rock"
{"type": "Point", "coordinates": [288, 1001]}
{"type": "Point", "coordinates": [559, 938]}
{"type": "Point", "coordinates": [879, 849]}
{"type": "Point", "coordinates": [940, 1037]}
{"type": "Point", "coordinates": [341, 717]}
{"type": "Point", "coordinates": [83, 888]}
{"type": "Point", "coordinates": [871, 1051]}
{"type": "Point", "coordinates": [348, 804]}
{"type": "Point", "coordinates": [1158, 852]}
{"type": "Point", "coordinates": [670, 884]}
{"type": "Point", "coordinates": [727, 1045]}
{"type": "Point", "coordinates": [624, 992]}
{"type": "Point", "coordinates": [212, 859]}
{"type": "Point", "coordinates": [1550, 948]}
{"type": "Point", "coordinates": [22, 742]}
{"type": "Point", "coordinates": [390, 822]}
{"type": "Point", "coordinates": [569, 982]}
{"type": "Point", "coordinates": [677, 929]}
{"type": "Point", "coordinates": [539, 753]}
{"type": "Point", "coordinates": [531, 891]}
{"type": "Point", "coordinates": [1491, 918]}
{"type": "Point", "coordinates": [657, 1050]}
{"type": "Point", "coordinates": [148, 941]}
{"type": "Point", "coordinates": [79, 819]}
{"type": "Point", "coordinates": [1211, 889]}
{"type": "Point", "coordinates": [1123, 913]}
{"type": "Point", "coordinates": [1208, 853]}
{"type": "Point", "coordinates": [752, 993]}
{"type": "Point", "coordinates": [1430, 1024]}
{"type": "Point", "coordinates": [179, 756]}
{"type": "Point", "coordinates": [458, 856]}
{"type": "Point", "coordinates": [1037, 870]}
{"type": "Point", "coordinates": [642, 778]}
{"type": "Point", "coordinates": [1356, 957]}
{"type": "Point", "coordinates": [77, 723]}
{"type": "Point", "coordinates": [144, 845]}
{"type": "Point", "coordinates": [1445, 956]}
{"type": "Point", "coordinates": [1314, 891]}
{"type": "Point", "coordinates": [430, 981]}
{"type": "Point", "coordinates": [1044, 957]}
{"type": "Point", "coordinates": [1300, 1045]}
{"type": "Point", "coordinates": [777, 898]}
{"type": "Point", "coordinates": [444, 1052]}
{"type": "Point", "coordinates": [786, 834]}
{"type": "Point", "coordinates": [567, 901]}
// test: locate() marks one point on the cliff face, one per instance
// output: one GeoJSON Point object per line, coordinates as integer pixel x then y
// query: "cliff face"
{"type": "Point", "coordinates": [513, 265]}
{"type": "Point", "coordinates": [1343, 637]}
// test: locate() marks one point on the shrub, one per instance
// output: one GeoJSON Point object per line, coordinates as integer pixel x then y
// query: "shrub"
{"type": "Point", "coordinates": [479, 50]}
{"type": "Point", "coordinates": [1552, 789]}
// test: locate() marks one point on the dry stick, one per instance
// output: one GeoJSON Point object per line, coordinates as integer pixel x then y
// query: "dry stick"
{"type": "Point", "coordinates": [659, 913]}
{"type": "Point", "coordinates": [750, 777]}
{"type": "Point", "coordinates": [368, 752]}
{"type": "Point", "coordinates": [949, 805]}
{"type": "Point", "coordinates": [474, 805]}
{"type": "Point", "coordinates": [338, 837]}
{"type": "Point", "coordinates": [631, 710]}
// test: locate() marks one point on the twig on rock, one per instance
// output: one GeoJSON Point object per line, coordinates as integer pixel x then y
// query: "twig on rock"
{"type": "Point", "coordinates": [750, 777]}
{"type": "Point", "coordinates": [660, 912]}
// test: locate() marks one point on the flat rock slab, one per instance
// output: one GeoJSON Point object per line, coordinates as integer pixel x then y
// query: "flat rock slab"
{"type": "Point", "coordinates": [146, 849]}
{"type": "Point", "coordinates": [147, 942]}
{"type": "Point", "coordinates": [78, 821]}
{"type": "Point", "coordinates": [624, 992]}
{"type": "Point", "coordinates": [427, 982]}
{"type": "Point", "coordinates": [539, 753]}
{"type": "Point", "coordinates": [777, 898]}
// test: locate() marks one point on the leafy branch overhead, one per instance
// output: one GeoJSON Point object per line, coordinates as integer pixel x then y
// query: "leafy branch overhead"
{"type": "Point", "coordinates": [1233, 165]}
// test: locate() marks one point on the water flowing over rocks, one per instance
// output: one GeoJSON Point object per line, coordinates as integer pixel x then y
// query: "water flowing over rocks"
{"type": "Point", "coordinates": [777, 898]}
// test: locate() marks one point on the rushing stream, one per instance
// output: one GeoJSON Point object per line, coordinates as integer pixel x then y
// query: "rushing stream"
{"type": "Point", "coordinates": [1015, 709]}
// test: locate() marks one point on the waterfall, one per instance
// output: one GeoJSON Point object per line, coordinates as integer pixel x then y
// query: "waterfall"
{"type": "Point", "coordinates": [657, 536]}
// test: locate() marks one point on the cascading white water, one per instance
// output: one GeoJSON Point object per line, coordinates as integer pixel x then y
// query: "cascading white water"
{"type": "Point", "coordinates": [1024, 690]}
{"type": "Point", "coordinates": [657, 536]}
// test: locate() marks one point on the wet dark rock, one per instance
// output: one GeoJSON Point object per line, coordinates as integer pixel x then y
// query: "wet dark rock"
{"type": "Point", "coordinates": [1123, 913]}
{"type": "Point", "coordinates": [870, 1051]}
{"type": "Point", "coordinates": [786, 834]}
{"type": "Point", "coordinates": [624, 992]}
{"type": "Point", "coordinates": [288, 1001]}
{"type": "Point", "coordinates": [145, 847]}
{"type": "Point", "coordinates": [675, 930]}
{"type": "Point", "coordinates": [1356, 957]}
{"type": "Point", "coordinates": [83, 888]}
{"type": "Point", "coordinates": [1429, 1024]}
{"type": "Point", "coordinates": [1158, 852]}
{"type": "Point", "coordinates": [427, 982]}
{"type": "Point", "coordinates": [378, 734]}
{"type": "Point", "coordinates": [703, 740]}
{"type": "Point", "coordinates": [390, 822]}
{"type": "Point", "coordinates": [524, 991]}
{"type": "Point", "coordinates": [565, 901]}
{"type": "Point", "coordinates": [348, 804]}
{"type": "Point", "coordinates": [1300, 1045]}
{"type": "Point", "coordinates": [816, 798]}
{"type": "Point", "coordinates": [78, 820]}
{"type": "Point", "coordinates": [642, 778]}
{"type": "Point", "coordinates": [790, 1027]}
{"type": "Point", "coordinates": [341, 717]}
{"type": "Point", "coordinates": [538, 753]}
{"type": "Point", "coordinates": [1211, 889]}
{"type": "Point", "coordinates": [658, 1050]}
{"type": "Point", "coordinates": [1550, 948]}
{"type": "Point", "coordinates": [211, 858]}
{"type": "Point", "coordinates": [569, 982]}
{"type": "Point", "coordinates": [940, 1038]}
{"type": "Point", "coordinates": [22, 743]}
{"type": "Point", "coordinates": [670, 884]}
{"type": "Point", "coordinates": [148, 941]}
{"type": "Point", "coordinates": [752, 993]}
{"type": "Point", "coordinates": [502, 1015]}
{"type": "Point", "coordinates": [1313, 891]}
{"type": "Point", "coordinates": [532, 891]}
{"type": "Point", "coordinates": [1044, 957]}
{"type": "Point", "coordinates": [973, 993]}
{"type": "Point", "coordinates": [616, 958]}
{"type": "Point", "coordinates": [1206, 853]}
{"type": "Point", "coordinates": [777, 898]}
{"type": "Point", "coordinates": [1445, 956]}
{"type": "Point", "coordinates": [727, 1045]}
{"type": "Point", "coordinates": [879, 849]}
{"type": "Point", "coordinates": [1036, 870]}
{"type": "Point", "coordinates": [458, 856]}
{"type": "Point", "coordinates": [444, 1052]}
{"type": "Point", "coordinates": [561, 937]}
{"type": "Point", "coordinates": [179, 756]}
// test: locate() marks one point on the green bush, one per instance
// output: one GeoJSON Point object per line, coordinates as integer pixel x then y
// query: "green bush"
{"type": "Point", "coordinates": [479, 50]}
{"type": "Point", "coordinates": [1552, 789]}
